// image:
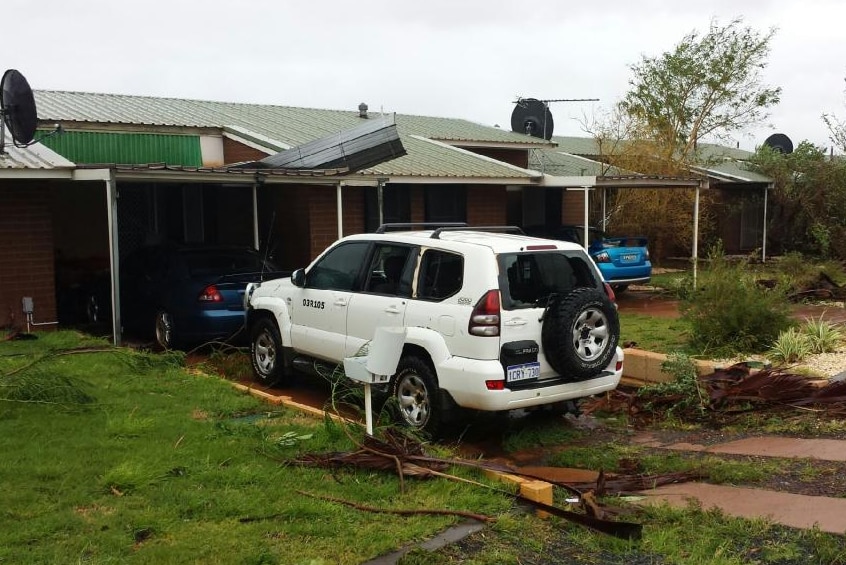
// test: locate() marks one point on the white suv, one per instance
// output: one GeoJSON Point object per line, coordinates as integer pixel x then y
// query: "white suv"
{"type": "Point", "coordinates": [495, 320]}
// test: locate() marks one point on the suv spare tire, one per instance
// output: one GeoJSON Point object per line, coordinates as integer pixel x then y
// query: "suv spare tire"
{"type": "Point", "coordinates": [580, 333]}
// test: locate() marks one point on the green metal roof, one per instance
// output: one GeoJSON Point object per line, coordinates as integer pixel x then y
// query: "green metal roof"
{"type": "Point", "coordinates": [294, 126]}
{"type": "Point", "coordinates": [562, 164]}
{"type": "Point", "coordinates": [737, 171]}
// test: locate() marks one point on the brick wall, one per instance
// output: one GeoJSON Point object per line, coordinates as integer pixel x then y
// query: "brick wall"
{"type": "Point", "coordinates": [234, 152]}
{"type": "Point", "coordinates": [323, 218]}
{"type": "Point", "coordinates": [573, 207]}
{"type": "Point", "coordinates": [353, 203]}
{"type": "Point", "coordinates": [291, 226]}
{"type": "Point", "coordinates": [26, 253]}
{"type": "Point", "coordinates": [516, 157]}
{"type": "Point", "coordinates": [418, 204]}
{"type": "Point", "coordinates": [486, 205]}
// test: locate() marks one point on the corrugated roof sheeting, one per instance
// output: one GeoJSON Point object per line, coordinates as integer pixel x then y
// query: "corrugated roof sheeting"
{"type": "Point", "coordinates": [558, 163]}
{"type": "Point", "coordinates": [128, 148]}
{"type": "Point", "coordinates": [36, 156]}
{"type": "Point", "coordinates": [290, 125]}
{"type": "Point", "coordinates": [735, 170]}
{"type": "Point", "coordinates": [427, 159]}
{"type": "Point", "coordinates": [294, 126]}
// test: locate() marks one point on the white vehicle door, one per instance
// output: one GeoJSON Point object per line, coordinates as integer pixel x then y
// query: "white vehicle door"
{"type": "Point", "coordinates": [384, 297]}
{"type": "Point", "coordinates": [319, 311]}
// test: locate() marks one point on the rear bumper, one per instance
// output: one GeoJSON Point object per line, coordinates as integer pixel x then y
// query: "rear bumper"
{"type": "Point", "coordinates": [464, 379]}
{"type": "Point", "coordinates": [210, 325]}
{"type": "Point", "coordinates": [626, 275]}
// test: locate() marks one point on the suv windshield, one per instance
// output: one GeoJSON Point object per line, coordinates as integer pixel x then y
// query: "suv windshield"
{"type": "Point", "coordinates": [528, 279]}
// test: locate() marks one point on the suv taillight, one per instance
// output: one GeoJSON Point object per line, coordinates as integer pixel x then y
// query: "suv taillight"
{"type": "Point", "coordinates": [610, 292]}
{"type": "Point", "coordinates": [210, 294]}
{"type": "Point", "coordinates": [484, 320]}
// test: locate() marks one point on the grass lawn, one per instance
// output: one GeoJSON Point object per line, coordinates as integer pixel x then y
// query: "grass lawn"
{"type": "Point", "coordinates": [124, 457]}
{"type": "Point", "coordinates": [117, 456]}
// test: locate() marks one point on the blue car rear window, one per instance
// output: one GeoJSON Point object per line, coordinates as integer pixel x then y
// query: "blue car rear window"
{"type": "Point", "coordinates": [222, 263]}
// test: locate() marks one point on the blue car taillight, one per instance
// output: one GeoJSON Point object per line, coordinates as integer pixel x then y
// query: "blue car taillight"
{"type": "Point", "coordinates": [602, 257]}
{"type": "Point", "coordinates": [210, 294]}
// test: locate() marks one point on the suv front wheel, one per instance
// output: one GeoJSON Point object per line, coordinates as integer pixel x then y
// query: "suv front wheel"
{"type": "Point", "coordinates": [266, 352]}
{"type": "Point", "coordinates": [416, 393]}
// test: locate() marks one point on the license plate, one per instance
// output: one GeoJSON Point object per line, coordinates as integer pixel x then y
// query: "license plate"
{"type": "Point", "coordinates": [629, 257]}
{"type": "Point", "coordinates": [524, 372]}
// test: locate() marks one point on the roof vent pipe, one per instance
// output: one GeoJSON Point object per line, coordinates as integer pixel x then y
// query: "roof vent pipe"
{"type": "Point", "coordinates": [362, 110]}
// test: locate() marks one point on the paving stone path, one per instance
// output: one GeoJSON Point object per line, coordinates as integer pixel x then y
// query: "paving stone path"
{"type": "Point", "coordinates": [795, 510]}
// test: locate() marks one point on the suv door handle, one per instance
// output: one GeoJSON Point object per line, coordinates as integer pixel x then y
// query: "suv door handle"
{"type": "Point", "coordinates": [392, 310]}
{"type": "Point", "coordinates": [340, 302]}
{"type": "Point", "coordinates": [515, 322]}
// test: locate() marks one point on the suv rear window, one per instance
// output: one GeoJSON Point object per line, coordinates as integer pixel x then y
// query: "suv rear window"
{"type": "Point", "coordinates": [441, 275]}
{"type": "Point", "coordinates": [528, 279]}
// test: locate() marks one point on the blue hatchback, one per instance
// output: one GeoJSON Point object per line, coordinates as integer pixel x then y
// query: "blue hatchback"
{"type": "Point", "coordinates": [621, 260]}
{"type": "Point", "coordinates": [189, 294]}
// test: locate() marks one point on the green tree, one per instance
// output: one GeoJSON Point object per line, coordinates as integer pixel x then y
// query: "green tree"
{"type": "Point", "coordinates": [836, 130]}
{"type": "Point", "coordinates": [709, 85]}
{"type": "Point", "coordinates": [807, 201]}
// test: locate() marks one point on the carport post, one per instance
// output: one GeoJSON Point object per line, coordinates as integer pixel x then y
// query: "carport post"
{"type": "Point", "coordinates": [340, 209]}
{"type": "Point", "coordinates": [764, 242]}
{"type": "Point", "coordinates": [696, 230]}
{"type": "Point", "coordinates": [256, 241]}
{"type": "Point", "coordinates": [108, 176]}
{"type": "Point", "coordinates": [604, 212]}
{"type": "Point", "coordinates": [586, 240]}
{"type": "Point", "coordinates": [114, 259]}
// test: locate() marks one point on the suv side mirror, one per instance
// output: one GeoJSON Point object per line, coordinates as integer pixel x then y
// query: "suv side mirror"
{"type": "Point", "coordinates": [298, 278]}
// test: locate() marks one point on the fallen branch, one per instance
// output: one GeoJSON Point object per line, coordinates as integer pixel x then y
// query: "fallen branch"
{"type": "Point", "coordinates": [401, 512]}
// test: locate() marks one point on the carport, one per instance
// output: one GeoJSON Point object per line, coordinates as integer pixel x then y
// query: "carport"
{"type": "Point", "coordinates": [587, 184]}
{"type": "Point", "coordinates": [118, 178]}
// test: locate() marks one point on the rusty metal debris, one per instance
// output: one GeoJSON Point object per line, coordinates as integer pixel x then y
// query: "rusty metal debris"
{"type": "Point", "coordinates": [396, 452]}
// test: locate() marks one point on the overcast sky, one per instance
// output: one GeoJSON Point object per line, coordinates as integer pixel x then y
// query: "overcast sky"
{"type": "Point", "coordinates": [466, 59]}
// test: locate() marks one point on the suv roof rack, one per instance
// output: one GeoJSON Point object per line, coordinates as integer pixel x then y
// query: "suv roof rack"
{"type": "Point", "coordinates": [417, 225]}
{"type": "Point", "coordinates": [500, 229]}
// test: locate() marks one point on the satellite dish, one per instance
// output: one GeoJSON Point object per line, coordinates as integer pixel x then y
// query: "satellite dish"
{"type": "Point", "coordinates": [780, 142]}
{"type": "Point", "coordinates": [532, 117]}
{"type": "Point", "coordinates": [18, 107]}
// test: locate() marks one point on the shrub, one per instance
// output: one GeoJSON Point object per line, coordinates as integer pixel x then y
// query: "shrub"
{"type": "Point", "coordinates": [823, 336]}
{"type": "Point", "coordinates": [684, 387]}
{"type": "Point", "coordinates": [791, 346]}
{"type": "Point", "coordinates": [730, 313]}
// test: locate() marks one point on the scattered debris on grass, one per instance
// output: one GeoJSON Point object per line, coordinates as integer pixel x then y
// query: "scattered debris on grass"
{"type": "Point", "coordinates": [404, 455]}
{"type": "Point", "coordinates": [741, 387]}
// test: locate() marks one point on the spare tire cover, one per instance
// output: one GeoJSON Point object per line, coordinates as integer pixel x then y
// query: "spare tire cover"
{"type": "Point", "coordinates": [580, 333]}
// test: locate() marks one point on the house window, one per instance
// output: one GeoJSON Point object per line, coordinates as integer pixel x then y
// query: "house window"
{"type": "Point", "coordinates": [446, 203]}
{"type": "Point", "coordinates": [396, 206]}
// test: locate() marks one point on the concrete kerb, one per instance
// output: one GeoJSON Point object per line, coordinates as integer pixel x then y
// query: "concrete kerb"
{"type": "Point", "coordinates": [644, 367]}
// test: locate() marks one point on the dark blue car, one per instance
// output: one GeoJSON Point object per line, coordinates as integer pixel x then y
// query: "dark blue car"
{"type": "Point", "coordinates": [189, 294]}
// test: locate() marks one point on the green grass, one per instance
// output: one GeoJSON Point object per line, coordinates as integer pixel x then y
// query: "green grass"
{"type": "Point", "coordinates": [661, 335]}
{"type": "Point", "coordinates": [686, 536]}
{"type": "Point", "coordinates": [157, 465]}
{"type": "Point", "coordinates": [133, 459]}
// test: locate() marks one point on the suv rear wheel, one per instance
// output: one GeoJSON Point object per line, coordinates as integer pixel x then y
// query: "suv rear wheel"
{"type": "Point", "coordinates": [416, 393]}
{"type": "Point", "coordinates": [580, 333]}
